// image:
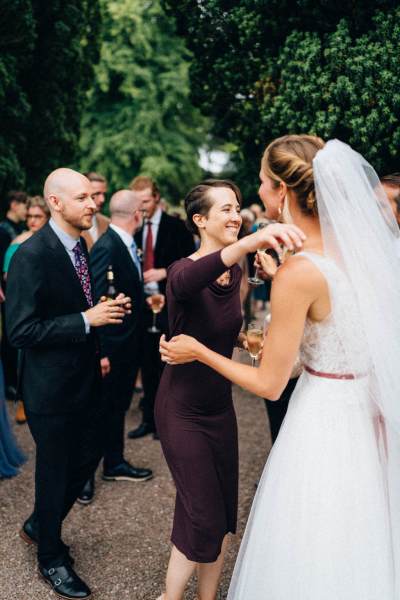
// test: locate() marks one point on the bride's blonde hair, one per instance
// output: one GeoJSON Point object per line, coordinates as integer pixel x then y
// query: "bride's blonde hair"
{"type": "Point", "coordinates": [289, 159]}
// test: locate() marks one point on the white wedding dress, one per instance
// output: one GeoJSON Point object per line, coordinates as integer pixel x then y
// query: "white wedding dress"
{"type": "Point", "coordinates": [322, 522]}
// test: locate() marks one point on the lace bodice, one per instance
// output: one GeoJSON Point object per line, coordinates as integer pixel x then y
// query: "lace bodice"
{"type": "Point", "coordinates": [336, 344]}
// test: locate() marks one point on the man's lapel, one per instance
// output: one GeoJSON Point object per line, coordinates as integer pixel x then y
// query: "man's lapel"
{"type": "Point", "coordinates": [63, 263]}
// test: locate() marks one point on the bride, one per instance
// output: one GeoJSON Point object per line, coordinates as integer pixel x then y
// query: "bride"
{"type": "Point", "coordinates": [325, 519]}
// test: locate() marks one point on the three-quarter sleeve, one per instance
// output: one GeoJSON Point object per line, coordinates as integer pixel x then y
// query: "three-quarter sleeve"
{"type": "Point", "coordinates": [187, 277]}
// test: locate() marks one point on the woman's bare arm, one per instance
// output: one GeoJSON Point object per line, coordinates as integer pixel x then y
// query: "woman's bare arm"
{"type": "Point", "coordinates": [295, 288]}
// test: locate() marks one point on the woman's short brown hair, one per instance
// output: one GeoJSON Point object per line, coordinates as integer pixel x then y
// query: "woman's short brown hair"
{"type": "Point", "coordinates": [289, 159]}
{"type": "Point", "coordinates": [198, 200]}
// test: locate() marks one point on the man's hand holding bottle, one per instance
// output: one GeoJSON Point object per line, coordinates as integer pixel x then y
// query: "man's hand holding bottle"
{"type": "Point", "coordinates": [109, 312]}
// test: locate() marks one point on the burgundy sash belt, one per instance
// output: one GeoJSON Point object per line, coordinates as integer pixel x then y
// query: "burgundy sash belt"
{"type": "Point", "coordinates": [332, 375]}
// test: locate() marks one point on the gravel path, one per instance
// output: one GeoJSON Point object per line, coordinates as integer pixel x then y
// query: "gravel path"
{"type": "Point", "coordinates": [121, 541]}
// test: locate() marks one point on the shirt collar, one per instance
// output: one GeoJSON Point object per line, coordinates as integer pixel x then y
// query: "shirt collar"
{"type": "Point", "coordinates": [126, 237]}
{"type": "Point", "coordinates": [156, 218]}
{"type": "Point", "coordinates": [67, 240]}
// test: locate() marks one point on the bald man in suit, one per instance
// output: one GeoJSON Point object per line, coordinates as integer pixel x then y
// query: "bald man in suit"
{"type": "Point", "coordinates": [52, 320]}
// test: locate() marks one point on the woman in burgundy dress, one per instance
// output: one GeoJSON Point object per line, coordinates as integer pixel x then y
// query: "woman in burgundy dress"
{"type": "Point", "coordinates": [194, 412]}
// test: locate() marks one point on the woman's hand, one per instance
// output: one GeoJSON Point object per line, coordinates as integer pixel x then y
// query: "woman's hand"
{"type": "Point", "coordinates": [273, 236]}
{"type": "Point", "coordinates": [266, 265]}
{"type": "Point", "coordinates": [179, 350]}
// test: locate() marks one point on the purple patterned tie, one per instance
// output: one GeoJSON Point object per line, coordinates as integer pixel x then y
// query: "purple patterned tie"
{"type": "Point", "coordinates": [82, 270]}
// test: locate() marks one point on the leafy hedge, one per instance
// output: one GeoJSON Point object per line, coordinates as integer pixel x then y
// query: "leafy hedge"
{"type": "Point", "coordinates": [263, 68]}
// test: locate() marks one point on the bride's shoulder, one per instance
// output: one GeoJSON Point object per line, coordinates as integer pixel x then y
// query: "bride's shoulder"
{"type": "Point", "coordinates": [299, 273]}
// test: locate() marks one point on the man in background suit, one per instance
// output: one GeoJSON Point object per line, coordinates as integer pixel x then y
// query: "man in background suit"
{"type": "Point", "coordinates": [162, 240]}
{"type": "Point", "coordinates": [51, 318]}
{"type": "Point", "coordinates": [99, 222]}
{"type": "Point", "coordinates": [120, 344]}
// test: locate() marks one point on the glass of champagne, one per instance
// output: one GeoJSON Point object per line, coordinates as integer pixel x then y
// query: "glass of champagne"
{"type": "Point", "coordinates": [254, 337]}
{"type": "Point", "coordinates": [156, 302]}
{"type": "Point", "coordinates": [256, 280]}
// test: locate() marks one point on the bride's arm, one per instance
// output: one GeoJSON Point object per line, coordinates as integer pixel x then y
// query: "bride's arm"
{"type": "Point", "coordinates": [294, 289]}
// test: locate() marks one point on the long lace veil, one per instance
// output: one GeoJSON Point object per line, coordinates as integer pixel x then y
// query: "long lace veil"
{"type": "Point", "coordinates": [361, 235]}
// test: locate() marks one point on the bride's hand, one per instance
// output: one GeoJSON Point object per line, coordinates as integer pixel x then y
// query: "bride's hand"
{"type": "Point", "coordinates": [266, 265]}
{"type": "Point", "coordinates": [273, 236]}
{"type": "Point", "coordinates": [179, 350]}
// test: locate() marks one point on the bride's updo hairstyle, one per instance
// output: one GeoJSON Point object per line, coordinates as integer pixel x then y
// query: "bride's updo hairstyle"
{"type": "Point", "coordinates": [289, 159]}
{"type": "Point", "coordinates": [199, 200]}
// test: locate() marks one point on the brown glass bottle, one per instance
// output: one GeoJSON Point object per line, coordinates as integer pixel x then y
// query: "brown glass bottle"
{"type": "Point", "coordinates": [111, 293]}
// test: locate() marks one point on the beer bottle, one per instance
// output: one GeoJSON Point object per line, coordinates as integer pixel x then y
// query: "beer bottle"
{"type": "Point", "coordinates": [111, 293]}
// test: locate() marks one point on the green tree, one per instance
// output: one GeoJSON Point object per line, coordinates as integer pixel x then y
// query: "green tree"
{"type": "Point", "coordinates": [61, 72]}
{"type": "Point", "coordinates": [139, 118]}
{"type": "Point", "coordinates": [17, 37]}
{"type": "Point", "coordinates": [46, 66]}
{"type": "Point", "coordinates": [263, 68]}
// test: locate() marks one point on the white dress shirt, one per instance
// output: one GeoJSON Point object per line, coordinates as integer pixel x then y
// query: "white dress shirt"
{"type": "Point", "coordinates": [129, 242]}
{"type": "Point", "coordinates": [69, 244]}
{"type": "Point", "coordinates": [152, 288]}
{"type": "Point", "coordinates": [94, 230]}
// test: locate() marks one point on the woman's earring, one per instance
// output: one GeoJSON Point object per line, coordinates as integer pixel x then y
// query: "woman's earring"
{"type": "Point", "coordinates": [280, 211]}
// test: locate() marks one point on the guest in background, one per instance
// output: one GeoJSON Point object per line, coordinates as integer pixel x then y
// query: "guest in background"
{"type": "Point", "coordinates": [10, 228]}
{"type": "Point", "coordinates": [120, 345]}
{"type": "Point", "coordinates": [100, 222]}
{"type": "Point", "coordinates": [162, 240]}
{"type": "Point", "coordinates": [37, 215]}
{"type": "Point", "coordinates": [257, 210]}
{"type": "Point", "coordinates": [14, 222]}
{"type": "Point", "coordinates": [11, 456]}
{"type": "Point", "coordinates": [391, 185]}
{"type": "Point", "coordinates": [51, 318]}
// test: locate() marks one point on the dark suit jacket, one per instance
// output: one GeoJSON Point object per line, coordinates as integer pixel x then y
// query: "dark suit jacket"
{"type": "Point", "coordinates": [119, 342]}
{"type": "Point", "coordinates": [59, 367]}
{"type": "Point", "coordinates": [174, 241]}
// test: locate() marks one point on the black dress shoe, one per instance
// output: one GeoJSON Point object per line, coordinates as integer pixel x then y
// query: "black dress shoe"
{"type": "Point", "coordinates": [87, 494]}
{"type": "Point", "coordinates": [30, 536]}
{"type": "Point", "coordinates": [126, 472]}
{"type": "Point", "coordinates": [141, 431]}
{"type": "Point", "coordinates": [65, 582]}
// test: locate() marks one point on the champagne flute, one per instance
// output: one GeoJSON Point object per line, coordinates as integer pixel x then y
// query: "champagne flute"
{"type": "Point", "coordinates": [256, 280]}
{"type": "Point", "coordinates": [156, 302]}
{"type": "Point", "coordinates": [255, 338]}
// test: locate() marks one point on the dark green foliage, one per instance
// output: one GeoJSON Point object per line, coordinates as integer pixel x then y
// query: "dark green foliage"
{"type": "Point", "coordinates": [17, 38]}
{"type": "Point", "coordinates": [139, 118]}
{"type": "Point", "coordinates": [264, 68]}
{"type": "Point", "coordinates": [47, 54]}
{"type": "Point", "coordinates": [61, 73]}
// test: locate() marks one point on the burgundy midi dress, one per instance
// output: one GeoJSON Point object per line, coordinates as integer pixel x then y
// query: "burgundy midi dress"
{"type": "Point", "coordinates": [194, 412]}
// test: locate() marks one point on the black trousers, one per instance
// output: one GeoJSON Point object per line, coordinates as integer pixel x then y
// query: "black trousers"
{"type": "Point", "coordinates": [68, 450]}
{"type": "Point", "coordinates": [151, 363]}
{"type": "Point", "coordinates": [117, 391]}
{"type": "Point", "coordinates": [276, 409]}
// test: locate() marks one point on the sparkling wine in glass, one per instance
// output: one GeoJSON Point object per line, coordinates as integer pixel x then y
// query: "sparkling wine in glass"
{"type": "Point", "coordinates": [255, 337]}
{"type": "Point", "coordinates": [256, 280]}
{"type": "Point", "coordinates": [156, 304]}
